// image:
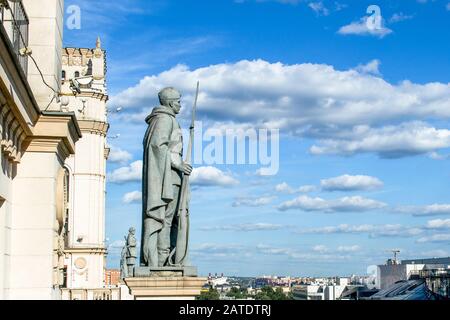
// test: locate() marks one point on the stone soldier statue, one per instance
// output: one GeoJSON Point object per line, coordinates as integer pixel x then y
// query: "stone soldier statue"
{"type": "Point", "coordinates": [163, 171]}
{"type": "Point", "coordinates": [123, 262]}
{"type": "Point", "coordinates": [131, 251]}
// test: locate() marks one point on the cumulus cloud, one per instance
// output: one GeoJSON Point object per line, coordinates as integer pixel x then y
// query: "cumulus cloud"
{"type": "Point", "coordinates": [117, 244]}
{"type": "Point", "coordinates": [372, 67]}
{"type": "Point", "coordinates": [245, 227]}
{"type": "Point", "coordinates": [320, 253]}
{"type": "Point", "coordinates": [118, 155]}
{"type": "Point", "coordinates": [211, 176]}
{"type": "Point", "coordinates": [407, 139]}
{"type": "Point", "coordinates": [131, 173]}
{"type": "Point", "coordinates": [351, 183]}
{"type": "Point", "coordinates": [438, 224]}
{"type": "Point", "coordinates": [219, 251]}
{"type": "Point", "coordinates": [201, 176]}
{"type": "Point", "coordinates": [440, 237]}
{"type": "Point", "coordinates": [436, 156]}
{"type": "Point", "coordinates": [345, 204]}
{"type": "Point", "coordinates": [253, 201]}
{"type": "Point", "coordinates": [320, 248]}
{"type": "Point", "coordinates": [374, 231]}
{"type": "Point", "coordinates": [346, 111]}
{"type": "Point", "coordinates": [429, 210]}
{"type": "Point", "coordinates": [353, 248]}
{"type": "Point", "coordinates": [360, 28]}
{"type": "Point", "coordinates": [319, 8]}
{"type": "Point", "coordinates": [285, 188]}
{"type": "Point", "coordinates": [130, 197]}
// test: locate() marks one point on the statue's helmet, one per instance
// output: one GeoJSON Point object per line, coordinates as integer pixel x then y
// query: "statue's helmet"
{"type": "Point", "coordinates": [132, 230]}
{"type": "Point", "coordinates": [168, 94]}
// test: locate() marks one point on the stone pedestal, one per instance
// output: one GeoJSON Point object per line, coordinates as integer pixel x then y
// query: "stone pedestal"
{"type": "Point", "coordinates": [165, 288]}
{"type": "Point", "coordinates": [165, 283]}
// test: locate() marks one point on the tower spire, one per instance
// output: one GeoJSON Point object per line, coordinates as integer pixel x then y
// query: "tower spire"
{"type": "Point", "coordinates": [99, 43]}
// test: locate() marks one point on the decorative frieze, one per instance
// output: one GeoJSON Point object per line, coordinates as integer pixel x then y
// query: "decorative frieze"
{"type": "Point", "coordinates": [12, 135]}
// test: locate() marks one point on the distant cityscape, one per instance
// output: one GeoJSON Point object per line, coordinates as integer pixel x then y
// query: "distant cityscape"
{"type": "Point", "coordinates": [416, 279]}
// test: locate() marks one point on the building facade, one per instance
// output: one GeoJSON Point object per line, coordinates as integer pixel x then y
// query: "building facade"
{"type": "Point", "coordinates": [52, 158]}
{"type": "Point", "coordinates": [84, 86]}
{"type": "Point", "coordinates": [37, 138]}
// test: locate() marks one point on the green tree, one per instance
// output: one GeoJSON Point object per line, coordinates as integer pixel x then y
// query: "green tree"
{"type": "Point", "coordinates": [211, 294]}
{"type": "Point", "coordinates": [268, 293]}
{"type": "Point", "coordinates": [237, 293]}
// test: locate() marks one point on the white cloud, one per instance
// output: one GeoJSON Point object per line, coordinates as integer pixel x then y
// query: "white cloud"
{"type": "Point", "coordinates": [347, 111]}
{"type": "Point", "coordinates": [353, 248]}
{"type": "Point", "coordinates": [438, 224]}
{"type": "Point", "coordinates": [252, 201]}
{"type": "Point", "coordinates": [435, 209]}
{"type": "Point", "coordinates": [201, 176]}
{"type": "Point", "coordinates": [117, 244]}
{"type": "Point", "coordinates": [320, 248]}
{"type": "Point", "coordinates": [345, 204]}
{"type": "Point", "coordinates": [399, 17]}
{"type": "Point", "coordinates": [131, 173]}
{"type": "Point", "coordinates": [360, 28]}
{"type": "Point", "coordinates": [285, 188]}
{"type": "Point", "coordinates": [319, 8]}
{"type": "Point", "coordinates": [211, 176]}
{"type": "Point", "coordinates": [372, 67]}
{"type": "Point", "coordinates": [436, 156]}
{"type": "Point", "coordinates": [351, 183]}
{"type": "Point", "coordinates": [435, 253]}
{"type": "Point", "coordinates": [429, 210]}
{"type": "Point", "coordinates": [441, 237]}
{"type": "Point", "coordinates": [245, 227]}
{"type": "Point", "coordinates": [389, 142]}
{"type": "Point", "coordinates": [320, 254]}
{"type": "Point", "coordinates": [130, 197]}
{"type": "Point", "coordinates": [118, 155]}
{"type": "Point", "coordinates": [374, 231]}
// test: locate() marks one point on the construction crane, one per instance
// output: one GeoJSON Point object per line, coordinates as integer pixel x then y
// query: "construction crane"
{"type": "Point", "coordinates": [395, 252]}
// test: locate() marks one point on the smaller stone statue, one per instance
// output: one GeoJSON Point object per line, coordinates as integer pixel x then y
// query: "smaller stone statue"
{"type": "Point", "coordinates": [131, 253]}
{"type": "Point", "coordinates": [123, 262]}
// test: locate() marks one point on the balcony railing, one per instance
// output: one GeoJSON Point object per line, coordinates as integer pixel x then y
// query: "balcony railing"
{"type": "Point", "coordinates": [15, 21]}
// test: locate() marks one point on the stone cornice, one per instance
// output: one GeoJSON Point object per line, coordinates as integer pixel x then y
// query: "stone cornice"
{"type": "Point", "coordinates": [50, 145]}
{"type": "Point", "coordinates": [94, 127]}
{"type": "Point", "coordinates": [55, 132]}
{"type": "Point", "coordinates": [97, 250]}
{"type": "Point", "coordinates": [88, 94]}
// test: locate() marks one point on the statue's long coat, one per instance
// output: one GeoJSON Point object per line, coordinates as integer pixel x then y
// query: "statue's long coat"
{"type": "Point", "coordinates": [157, 174]}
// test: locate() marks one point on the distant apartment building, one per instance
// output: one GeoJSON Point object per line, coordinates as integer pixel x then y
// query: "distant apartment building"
{"type": "Point", "coordinates": [112, 278]}
{"type": "Point", "coordinates": [321, 289]}
{"type": "Point", "coordinates": [394, 271]}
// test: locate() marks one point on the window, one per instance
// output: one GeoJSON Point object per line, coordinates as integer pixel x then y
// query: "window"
{"type": "Point", "coordinates": [63, 75]}
{"type": "Point", "coordinates": [77, 74]}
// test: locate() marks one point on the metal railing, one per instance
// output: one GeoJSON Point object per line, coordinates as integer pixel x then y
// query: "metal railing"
{"type": "Point", "coordinates": [16, 23]}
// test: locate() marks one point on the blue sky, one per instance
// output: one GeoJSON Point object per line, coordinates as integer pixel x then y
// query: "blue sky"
{"type": "Point", "coordinates": [363, 119]}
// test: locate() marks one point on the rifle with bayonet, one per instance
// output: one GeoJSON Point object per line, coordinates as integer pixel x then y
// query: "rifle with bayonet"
{"type": "Point", "coordinates": [181, 248]}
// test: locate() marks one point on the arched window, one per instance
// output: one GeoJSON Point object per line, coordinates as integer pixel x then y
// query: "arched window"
{"type": "Point", "coordinates": [63, 75]}
{"type": "Point", "coordinates": [77, 74]}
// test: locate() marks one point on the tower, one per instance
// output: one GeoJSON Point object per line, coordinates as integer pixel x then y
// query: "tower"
{"type": "Point", "coordinates": [85, 93]}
